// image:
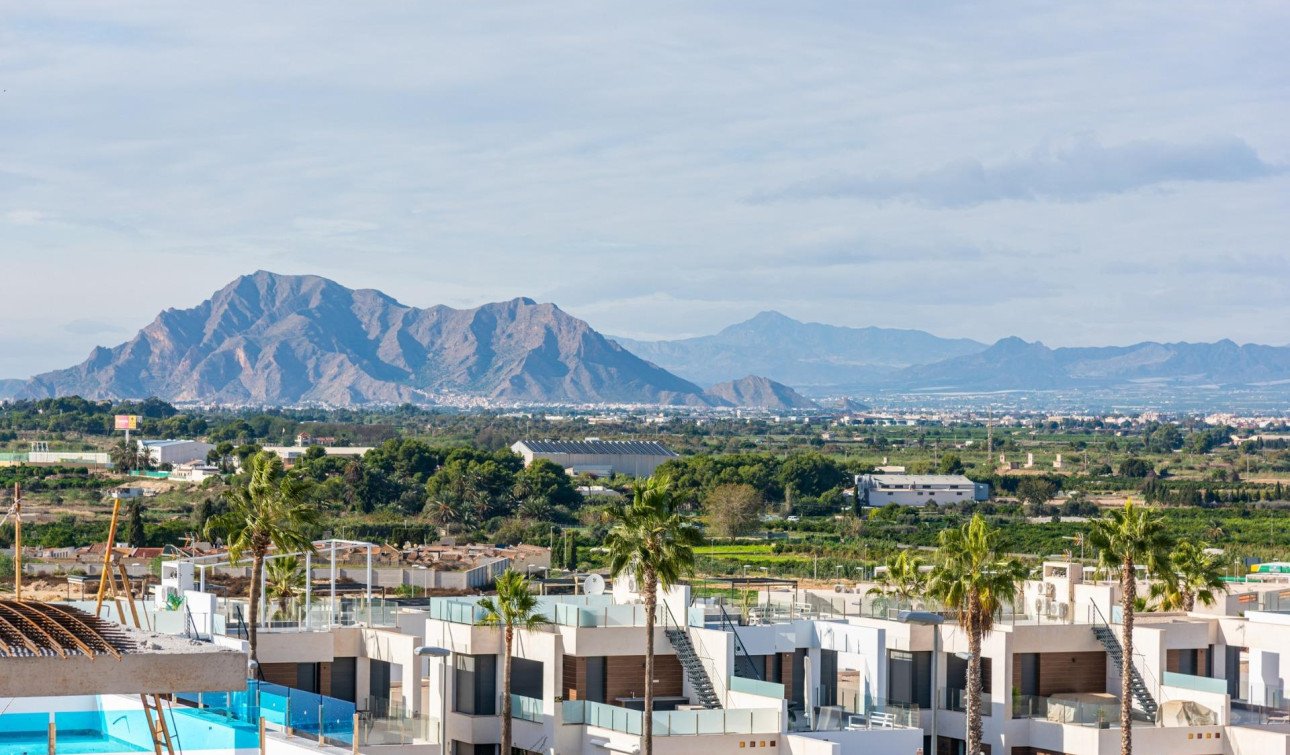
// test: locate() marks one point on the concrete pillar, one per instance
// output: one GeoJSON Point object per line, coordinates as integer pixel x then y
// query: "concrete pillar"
{"type": "Point", "coordinates": [309, 583]}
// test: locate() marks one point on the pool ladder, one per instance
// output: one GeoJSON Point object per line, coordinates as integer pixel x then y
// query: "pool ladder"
{"type": "Point", "coordinates": [153, 711]}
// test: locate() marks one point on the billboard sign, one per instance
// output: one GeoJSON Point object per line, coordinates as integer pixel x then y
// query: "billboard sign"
{"type": "Point", "coordinates": [127, 422]}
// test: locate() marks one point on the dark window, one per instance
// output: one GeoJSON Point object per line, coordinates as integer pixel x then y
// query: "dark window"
{"type": "Point", "coordinates": [1029, 673]}
{"type": "Point", "coordinates": [307, 677]}
{"type": "Point", "coordinates": [526, 678]}
{"type": "Point", "coordinates": [379, 673]}
{"type": "Point", "coordinates": [829, 677]}
{"type": "Point", "coordinates": [909, 678]}
{"type": "Point", "coordinates": [344, 679]}
{"type": "Point", "coordinates": [595, 679]}
{"type": "Point", "coordinates": [476, 685]}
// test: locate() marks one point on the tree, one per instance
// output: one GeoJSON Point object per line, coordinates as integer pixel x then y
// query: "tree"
{"type": "Point", "coordinates": [447, 512]}
{"type": "Point", "coordinates": [127, 457]}
{"type": "Point", "coordinates": [650, 540]}
{"type": "Point", "coordinates": [268, 511]}
{"type": "Point", "coordinates": [1124, 538]}
{"type": "Point", "coordinates": [733, 510]}
{"type": "Point", "coordinates": [1036, 491]}
{"type": "Point", "coordinates": [951, 463]}
{"type": "Point", "coordinates": [546, 479]}
{"type": "Point", "coordinates": [975, 578]}
{"type": "Point", "coordinates": [1135, 467]}
{"type": "Point", "coordinates": [557, 549]}
{"type": "Point", "coordinates": [810, 474]}
{"type": "Point", "coordinates": [570, 550]}
{"type": "Point", "coordinates": [135, 532]}
{"type": "Point", "coordinates": [1191, 575]}
{"type": "Point", "coordinates": [903, 578]}
{"type": "Point", "coordinates": [513, 608]}
{"type": "Point", "coordinates": [285, 581]}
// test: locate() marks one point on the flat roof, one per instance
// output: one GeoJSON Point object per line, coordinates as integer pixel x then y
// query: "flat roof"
{"type": "Point", "coordinates": [599, 447]}
{"type": "Point", "coordinates": [921, 479]}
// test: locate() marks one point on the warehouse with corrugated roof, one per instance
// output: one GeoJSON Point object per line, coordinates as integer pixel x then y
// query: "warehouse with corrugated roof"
{"type": "Point", "coordinates": [638, 458]}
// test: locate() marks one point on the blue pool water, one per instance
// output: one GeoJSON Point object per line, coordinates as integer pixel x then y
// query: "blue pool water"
{"type": "Point", "coordinates": [121, 731]}
{"type": "Point", "coordinates": [70, 742]}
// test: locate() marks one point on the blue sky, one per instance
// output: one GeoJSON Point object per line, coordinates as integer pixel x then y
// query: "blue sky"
{"type": "Point", "coordinates": [1078, 173]}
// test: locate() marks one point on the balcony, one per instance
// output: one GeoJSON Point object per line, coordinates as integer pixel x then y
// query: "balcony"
{"type": "Point", "coordinates": [1073, 710]}
{"type": "Point", "coordinates": [955, 699]}
{"type": "Point", "coordinates": [675, 723]}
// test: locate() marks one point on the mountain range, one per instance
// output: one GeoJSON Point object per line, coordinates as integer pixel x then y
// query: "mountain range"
{"type": "Point", "coordinates": [283, 339]}
{"type": "Point", "coordinates": [268, 339]}
{"type": "Point", "coordinates": [801, 354]}
{"type": "Point", "coordinates": [1014, 364]}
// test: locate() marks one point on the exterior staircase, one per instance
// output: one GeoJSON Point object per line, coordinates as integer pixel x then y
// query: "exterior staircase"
{"type": "Point", "coordinates": [693, 665]}
{"type": "Point", "coordinates": [1141, 694]}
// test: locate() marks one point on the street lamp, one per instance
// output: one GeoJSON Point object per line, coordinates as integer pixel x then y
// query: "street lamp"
{"type": "Point", "coordinates": [934, 620]}
{"type": "Point", "coordinates": [444, 654]}
{"type": "Point", "coordinates": [425, 579]}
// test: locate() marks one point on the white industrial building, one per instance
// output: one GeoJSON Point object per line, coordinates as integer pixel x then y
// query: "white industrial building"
{"type": "Point", "coordinates": [175, 451]}
{"type": "Point", "coordinates": [638, 458]}
{"type": "Point", "coordinates": [917, 489]}
{"type": "Point", "coordinates": [291, 454]}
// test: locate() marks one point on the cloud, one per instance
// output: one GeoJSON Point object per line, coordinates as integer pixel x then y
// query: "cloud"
{"type": "Point", "coordinates": [24, 217]}
{"type": "Point", "coordinates": [333, 226]}
{"type": "Point", "coordinates": [1080, 172]}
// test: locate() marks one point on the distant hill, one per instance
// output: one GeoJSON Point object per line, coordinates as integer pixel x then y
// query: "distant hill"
{"type": "Point", "coordinates": [1014, 364]}
{"type": "Point", "coordinates": [758, 392]}
{"type": "Point", "coordinates": [800, 354]}
{"type": "Point", "coordinates": [286, 339]}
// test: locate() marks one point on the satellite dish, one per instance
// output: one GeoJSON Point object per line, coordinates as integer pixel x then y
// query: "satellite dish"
{"type": "Point", "coordinates": [594, 584]}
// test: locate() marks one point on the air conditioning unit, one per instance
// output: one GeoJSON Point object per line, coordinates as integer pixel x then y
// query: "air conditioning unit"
{"type": "Point", "coordinates": [1063, 609]}
{"type": "Point", "coordinates": [1050, 589]}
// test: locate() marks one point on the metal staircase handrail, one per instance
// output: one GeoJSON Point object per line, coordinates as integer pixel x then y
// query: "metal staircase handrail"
{"type": "Point", "coordinates": [670, 624]}
{"type": "Point", "coordinates": [717, 680]}
{"type": "Point", "coordinates": [740, 648]}
{"type": "Point", "coordinates": [1149, 701]}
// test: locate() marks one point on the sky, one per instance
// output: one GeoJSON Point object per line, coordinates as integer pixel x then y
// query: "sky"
{"type": "Point", "coordinates": [1078, 173]}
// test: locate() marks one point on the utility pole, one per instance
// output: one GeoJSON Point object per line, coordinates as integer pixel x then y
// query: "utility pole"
{"type": "Point", "coordinates": [17, 542]}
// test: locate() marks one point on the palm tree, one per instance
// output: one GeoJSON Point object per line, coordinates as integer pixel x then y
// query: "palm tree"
{"type": "Point", "coordinates": [904, 578]}
{"type": "Point", "coordinates": [1191, 575]}
{"type": "Point", "coordinates": [512, 609]}
{"type": "Point", "coordinates": [285, 581]}
{"type": "Point", "coordinates": [268, 511]}
{"type": "Point", "coordinates": [129, 456]}
{"type": "Point", "coordinates": [447, 512]}
{"type": "Point", "coordinates": [975, 578]}
{"type": "Point", "coordinates": [1124, 538]}
{"type": "Point", "coordinates": [651, 541]}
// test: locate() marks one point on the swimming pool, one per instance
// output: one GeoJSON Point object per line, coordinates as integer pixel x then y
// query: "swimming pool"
{"type": "Point", "coordinates": [121, 731]}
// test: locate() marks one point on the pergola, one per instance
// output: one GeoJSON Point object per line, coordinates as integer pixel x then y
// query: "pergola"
{"type": "Point", "coordinates": [744, 583]}
{"type": "Point", "coordinates": [332, 546]}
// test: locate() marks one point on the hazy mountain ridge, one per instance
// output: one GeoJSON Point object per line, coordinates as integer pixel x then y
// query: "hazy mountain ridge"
{"type": "Point", "coordinates": [278, 339]}
{"type": "Point", "coordinates": [798, 353]}
{"type": "Point", "coordinates": [1014, 364]}
{"type": "Point", "coordinates": [760, 393]}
